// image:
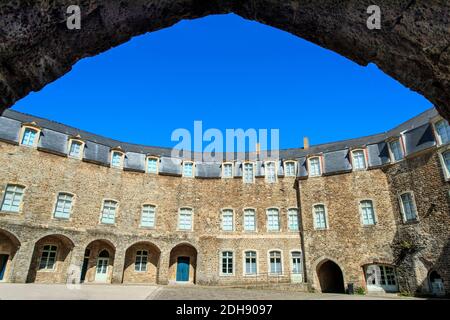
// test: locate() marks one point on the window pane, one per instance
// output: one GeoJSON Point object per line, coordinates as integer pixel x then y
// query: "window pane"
{"type": "Point", "coordinates": [293, 219]}
{"type": "Point", "coordinates": [289, 169]}
{"type": "Point", "coordinates": [443, 130]}
{"type": "Point", "coordinates": [152, 165]}
{"type": "Point", "coordinates": [185, 219]}
{"type": "Point", "coordinates": [320, 217]}
{"type": "Point", "coordinates": [109, 212]}
{"type": "Point", "coordinates": [314, 169]}
{"type": "Point", "coordinates": [409, 207]}
{"type": "Point", "coordinates": [188, 169]}
{"type": "Point", "coordinates": [227, 262]}
{"type": "Point", "coordinates": [446, 157]}
{"type": "Point", "coordinates": [228, 170]}
{"type": "Point", "coordinates": [396, 150]}
{"type": "Point", "coordinates": [273, 221]}
{"type": "Point", "coordinates": [227, 220]}
{"type": "Point", "coordinates": [271, 172]}
{"type": "Point", "coordinates": [248, 172]}
{"type": "Point", "coordinates": [249, 220]}
{"type": "Point", "coordinates": [63, 206]}
{"type": "Point", "coordinates": [29, 136]}
{"type": "Point", "coordinates": [12, 198]}
{"type": "Point", "coordinates": [359, 161]}
{"type": "Point", "coordinates": [148, 216]}
{"type": "Point", "coordinates": [296, 262]}
{"type": "Point", "coordinates": [75, 149]}
{"type": "Point", "coordinates": [368, 215]}
{"type": "Point", "coordinates": [116, 159]}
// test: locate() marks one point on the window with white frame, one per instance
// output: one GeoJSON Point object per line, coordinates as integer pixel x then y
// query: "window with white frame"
{"type": "Point", "coordinates": [275, 262]}
{"type": "Point", "coordinates": [48, 258]}
{"type": "Point", "coordinates": [273, 219]}
{"type": "Point", "coordinates": [296, 260]}
{"type": "Point", "coordinates": [248, 172]}
{"type": "Point", "coordinates": [75, 149]}
{"type": "Point", "coordinates": [396, 150]}
{"type": "Point", "coordinates": [250, 263]}
{"type": "Point", "coordinates": [29, 137]}
{"type": "Point", "coordinates": [12, 198]}
{"type": "Point", "coordinates": [367, 212]}
{"type": "Point", "coordinates": [445, 157]}
{"type": "Point", "coordinates": [443, 131]}
{"type": "Point", "coordinates": [227, 170]}
{"type": "Point", "coordinates": [152, 165]}
{"type": "Point", "coordinates": [140, 264]}
{"type": "Point", "coordinates": [227, 263]}
{"type": "Point", "coordinates": [359, 160]}
{"type": "Point", "coordinates": [188, 169]}
{"type": "Point", "coordinates": [148, 216]}
{"type": "Point", "coordinates": [271, 172]}
{"type": "Point", "coordinates": [227, 220]}
{"type": "Point", "coordinates": [289, 169]}
{"type": "Point", "coordinates": [408, 206]}
{"type": "Point", "coordinates": [314, 167]}
{"type": "Point", "coordinates": [185, 219]}
{"type": "Point", "coordinates": [320, 217]}
{"type": "Point", "coordinates": [249, 220]}
{"type": "Point", "coordinates": [293, 220]}
{"type": "Point", "coordinates": [117, 159]}
{"type": "Point", "coordinates": [63, 206]}
{"type": "Point", "coordinates": [109, 212]}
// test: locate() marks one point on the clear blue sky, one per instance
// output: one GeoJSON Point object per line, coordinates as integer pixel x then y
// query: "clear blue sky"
{"type": "Point", "coordinates": [229, 73]}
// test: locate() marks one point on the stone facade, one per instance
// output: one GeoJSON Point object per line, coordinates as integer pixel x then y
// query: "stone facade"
{"type": "Point", "coordinates": [345, 248]}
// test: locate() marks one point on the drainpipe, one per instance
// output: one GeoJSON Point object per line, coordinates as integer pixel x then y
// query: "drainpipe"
{"type": "Point", "coordinates": [302, 238]}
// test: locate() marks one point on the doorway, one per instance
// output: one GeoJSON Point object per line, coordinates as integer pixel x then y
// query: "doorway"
{"type": "Point", "coordinates": [101, 270]}
{"type": "Point", "coordinates": [183, 269]}
{"type": "Point", "coordinates": [330, 277]}
{"type": "Point", "coordinates": [3, 262]}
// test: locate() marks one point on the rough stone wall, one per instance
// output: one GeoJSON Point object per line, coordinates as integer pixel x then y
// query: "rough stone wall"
{"type": "Point", "coordinates": [44, 175]}
{"type": "Point", "coordinates": [423, 175]}
{"type": "Point", "coordinates": [346, 241]}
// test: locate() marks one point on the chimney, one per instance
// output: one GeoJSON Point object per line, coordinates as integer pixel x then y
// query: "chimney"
{"type": "Point", "coordinates": [305, 143]}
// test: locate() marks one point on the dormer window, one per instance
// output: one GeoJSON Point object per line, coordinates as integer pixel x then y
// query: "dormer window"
{"type": "Point", "coordinates": [227, 170]}
{"type": "Point", "coordinates": [271, 172]}
{"type": "Point", "coordinates": [30, 136]}
{"type": "Point", "coordinates": [445, 161]}
{"type": "Point", "coordinates": [76, 148]}
{"type": "Point", "coordinates": [358, 160]}
{"type": "Point", "coordinates": [188, 169]}
{"type": "Point", "coordinates": [289, 169]}
{"type": "Point", "coordinates": [396, 150]}
{"type": "Point", "coordinates": [117, 159]}
{"type": "Point", "coordinates": [152, 165]}
{"type": "Point", "coordinates": [443, 131]}
{"type": "Point", "coordinates": [249, 172]}
{"type": "Point", "coordinates": [314, 167]}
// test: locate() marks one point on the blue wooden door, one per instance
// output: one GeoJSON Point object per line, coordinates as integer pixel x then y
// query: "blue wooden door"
{"type": "Point", "coordinates": [3, 262]}
{"type": "Point", "coordinates": [183, 269]}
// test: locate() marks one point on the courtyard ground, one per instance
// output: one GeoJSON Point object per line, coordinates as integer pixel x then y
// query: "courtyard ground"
{"type": "Point", "coordinates": [12, 291]}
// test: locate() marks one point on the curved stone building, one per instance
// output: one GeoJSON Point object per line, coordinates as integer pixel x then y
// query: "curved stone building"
{"type": "Point", "coordinates": [371, 212]}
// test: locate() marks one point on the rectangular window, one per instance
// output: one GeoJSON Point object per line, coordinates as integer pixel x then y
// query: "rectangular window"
{"type": "Point", "coordinates": [289, 169]}
{"type": "Point", "coordinates": [13, 198]}
{"type": "Point", "coordinates": [109, 212]}
{"type": "Point", "coordinates": [29, 136]}
{"type": "Point", "coordinates": [227, 263]}
{"type": "Point", "coordinates": [48, 258]}
{"type": "Point", "coordinates": [188, 169]}
{"type": "Point", "coordinates": [227, 170]}
{"type": "Point", "coordinates": [275, 262]}
{"type": "Point", "coordinates": [314, 167]}
{"type": "Point", "coordinates": [359, 160]}
{"type": "Point", "coordinates": [409, 207]}
{"type": "Point", "coordinates": [249, 220]}
{"type": "Point", "coordinates": [148, 216]}
{"type": "Point", "coordinates": [296, 262]}
{"type": "Point", "coordinates": [396, 150]}
{"type": "Point", "coordinates": [185, 219]}
{"type": "Point", "coordinates": [271, 173]}
{"type": "Point", "coordinates": [75, 149]}
{"type": "Point", "coordinates": [63, 206]}
{"type": "Point", "coordinates": [140, 264]}
{"type": "Point", "coordinates": [250, 263]}
{"type": "Point", "coordinates": [320, 220]}
{"type": "Point", "coordinates": [273, 220]}
{"type": "Point", "coordinates": [248, 173]}
{"type": "Point", "coordinates": [443, 131]}
{"type": "Point", "coordinates": [152, 165]}
{"type": "Point", "coordinates": [446, 162]}
{"type": "Point", "coordinates": [116, 160]}
{"type": "Point", "coordinates": [293, 219]}
{"type": "Point", "coordinates": [367, 212]}
{"type": "Point", "coordinates": [227, 220]}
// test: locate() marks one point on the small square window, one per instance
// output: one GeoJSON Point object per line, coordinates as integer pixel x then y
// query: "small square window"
{"type": "Point", "coordinates": [289, 169]}
{"type": "Point", "coordinates": [152, 165]}
{"type": "Point", "coordinates": [75, 149]}
{"type": "Point", "coordinates": [63, 206]}
{"type": "Point", "coordinates": [227, 170]}
{"type": "Point", "coordinates": [12, 198]}
{"type": "Point", "coordinates": [188, 169]}
{"type": "Point", "coordinates": [185, 219]}
{"type": "Point", "coordinates": [29, 137]}
{"type": "Point", "coordinates": [117, 159]}
{"type": "Point", "coordinates": [109, 212]}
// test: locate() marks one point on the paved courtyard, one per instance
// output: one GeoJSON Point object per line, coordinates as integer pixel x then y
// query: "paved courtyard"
{"type": "Point", "coordinates": [10, 291]}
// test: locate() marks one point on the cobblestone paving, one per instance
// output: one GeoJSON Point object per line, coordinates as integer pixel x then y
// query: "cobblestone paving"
{"type": "Point", "coordinates": [10, 291]}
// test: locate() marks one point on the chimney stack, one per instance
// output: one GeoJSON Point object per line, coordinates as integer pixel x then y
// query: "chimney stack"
{"type": "Point", "coordinates": [305, 143]}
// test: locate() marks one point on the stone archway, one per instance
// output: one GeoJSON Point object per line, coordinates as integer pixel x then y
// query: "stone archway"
{"type": "Point", "coordinates": [98, 262]}
{"type": "Point", "coordinates": [37, 48]}
{"type": "Point", "coordinates": [330, 277]}
{"type": "Point", "coordinates": [183, 264]}
{"type": "Point", "coordinates": [51, 259]}
{"type": "Point", "coordinates": [141, 263]}
{"type": "Point", "coordinates": [9, 244]}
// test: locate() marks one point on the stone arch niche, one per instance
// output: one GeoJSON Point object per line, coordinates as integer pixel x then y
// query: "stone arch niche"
{"type": "Point", "coordinates": [141, 263]}
{"type": "Point", "coordinates": [183, 264]}
{"type": "Point", "coordinates": [51, 259]}
{"type": "Point", "coordinates": [9, 244]}
{"type": "Point", "coordinates": [330, 276]}
{"type": "Point", "coordinates": [98, 262]}
{"type": "Point", "coordinates": [36, 47]}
